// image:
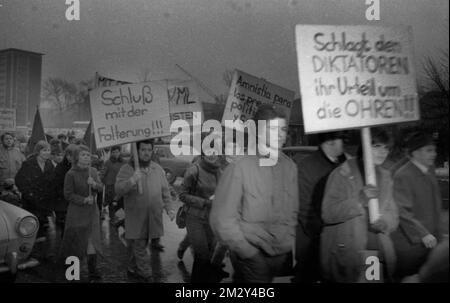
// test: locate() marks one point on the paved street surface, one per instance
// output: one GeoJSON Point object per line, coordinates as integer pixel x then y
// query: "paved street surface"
{"type": "Point", "coordinates": [166, 267]}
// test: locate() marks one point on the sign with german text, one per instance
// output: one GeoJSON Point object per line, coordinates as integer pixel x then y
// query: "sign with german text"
{"type": "Point", "coordinates": [183, 100]}
{"type": "Point", "coordinates": [247, 92]}
{"type": "Point", "coordinates": [7, 119]}
{"type": "Point", "coordinates": [355, 76]}
{"type": "Point", "coordinates": [183, 96]}
{"type": "Point", "coordinates": [129, 113]}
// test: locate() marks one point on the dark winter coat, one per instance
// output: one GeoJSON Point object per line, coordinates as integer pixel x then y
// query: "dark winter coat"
{"type": "Point", "coordinates": [200, 182]}
{"type": "Point", "coordinates": [345, 233]}
{"type": "Point", "coordinates": [35, 186]}
{"type": "Point", "coordinates": [60, 203]}
{"type": "Point", "coordinates": [82, 220]}
{"type": "Point", "coordinates": [313, 172]}
{"type": "Point", "coordinates": [419, 201]}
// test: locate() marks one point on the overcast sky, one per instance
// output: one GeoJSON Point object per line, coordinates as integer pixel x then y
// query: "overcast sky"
{"type": "Point", "coordinates": [121, 38]}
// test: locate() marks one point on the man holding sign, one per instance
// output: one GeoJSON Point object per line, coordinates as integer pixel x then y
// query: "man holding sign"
{"type": "Point", "coordinates": [356, 77]}
{"type": "Point", "coordinates": [347, 232]}
{"type": "Point", "coordinates": [143, 211]}
{"type": "Point", "coordinates": [131, 113]}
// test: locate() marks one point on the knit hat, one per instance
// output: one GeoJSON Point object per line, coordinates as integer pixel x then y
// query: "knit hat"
{"type": "Point", "coordinates": [418, 140]}
{"type": "Point", "coordinates": [330, 136]}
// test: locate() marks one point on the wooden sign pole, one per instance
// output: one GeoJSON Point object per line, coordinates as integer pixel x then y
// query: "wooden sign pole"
{"type": "Point", "coordinates": [371, 178]}
{"type": "Point", "coordinates": [136, 165]}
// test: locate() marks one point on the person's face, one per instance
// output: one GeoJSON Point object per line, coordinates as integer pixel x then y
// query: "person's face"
{"type": "Point", "coordinates": [336, 147]}
{"type": "Point", "coordinates": [145, 152]}
{"type": "Point", "coordinates": [8, 141]}
{"type": "Point", "coordinates": [276, 132]}
{"type": "Point", "coordinates": [58, 158]}
{"type": "Point", "coordinates": [84, 158]}
{"type": "Point", "coordinates": [380, 152]}
{"type": "Point", "coordinates": [115, 154]}
{"type": "Point", "coordinates": [45, 153]}
{"type": "Point", "coordinates": [425, 155]}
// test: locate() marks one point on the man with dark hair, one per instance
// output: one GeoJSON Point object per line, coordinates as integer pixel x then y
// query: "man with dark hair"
{"type": "Point", "coordinates": [63, 139]}
{"type": "Point", "coordinates": [143, 211]}
{"type": "Point", "coordinates": [313, 172]}
{"type": "Point", "coordinates": [418, 197]}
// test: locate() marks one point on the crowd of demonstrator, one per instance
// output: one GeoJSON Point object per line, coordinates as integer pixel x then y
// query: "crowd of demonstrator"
{"type": "Point", "coordinates": [313, 209]}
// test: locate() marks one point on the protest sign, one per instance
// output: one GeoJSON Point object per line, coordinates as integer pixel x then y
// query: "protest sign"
{"type": "Point", "coordinates": [129, 113]}
{"type": "Point", "coordinates": [7, 119]}
{"type": "Point", "coordinates": [355, 76]}
{"type": "Point", "coordinates": [101, 81]}
{"type": "Point", "coordinates": [183, 96]}
{"type": "Point", "coordinates": [247, 92]}
{"type": "Point", "coordinates": [184, 100]}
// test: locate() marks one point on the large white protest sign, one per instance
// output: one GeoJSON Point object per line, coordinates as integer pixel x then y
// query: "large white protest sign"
{"type": "Point", "coordinates": [184, 100]}
{"type": "Point", "coordinates": [247, 92]}
{"type": "Point", "coordinates": [355, 76]}
{"type": "Point", "coordinates": [129, 113]}
{"type": "Point", "coordinates": [7, 119]}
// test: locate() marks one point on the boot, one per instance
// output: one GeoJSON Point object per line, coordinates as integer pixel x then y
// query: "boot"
{"type": "Point", "coordinates": [92, 268]}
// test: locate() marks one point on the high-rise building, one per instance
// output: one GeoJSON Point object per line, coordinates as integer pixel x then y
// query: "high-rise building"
{"type": "Point", "coordinates": [20, 83]}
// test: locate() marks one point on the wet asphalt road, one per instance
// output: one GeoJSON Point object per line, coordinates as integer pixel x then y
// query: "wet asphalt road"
{"type": "Point", "coordinates": [166, 267]}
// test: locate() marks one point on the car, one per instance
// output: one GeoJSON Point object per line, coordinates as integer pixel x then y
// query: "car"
{"type": "Point", "coordinates": [18, 230]}
{"type": "Point", "coordinates": [174, 166]}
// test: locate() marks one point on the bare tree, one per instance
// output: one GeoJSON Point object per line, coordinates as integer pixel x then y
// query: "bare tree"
{"type": "Point", "coordinates": [436, 71]}
{"type": "Point", "coordinates": [60, 92]}
{"type": "Point", "coordinates": [228, 77]}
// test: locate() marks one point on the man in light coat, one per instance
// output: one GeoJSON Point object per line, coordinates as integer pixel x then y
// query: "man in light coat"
{"type": "Point", "coordinates": [143, 212]}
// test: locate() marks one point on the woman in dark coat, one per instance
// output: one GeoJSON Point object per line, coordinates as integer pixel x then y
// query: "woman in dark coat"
{"type": "Point", "coordinates": [34, 182]}
{"type": "Point", "coordinates": [60, 204]}
{"type": "Point", "coordinates": [82, 230]}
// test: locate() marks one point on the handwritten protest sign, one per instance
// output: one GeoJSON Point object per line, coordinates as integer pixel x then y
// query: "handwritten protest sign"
{"type": "Point", "coordinates": [129, 113]}
{"type": "Point", "coordinates": [102, 81]}
{"type": "Point", "coordinates": [183, 96]}
{"type": "Point", "coordinates": [355, 76]}
{"type": "Point", "coordinates": [247, 92]}
{"type": "Point", "coordinates": [183, 100]}
{"type": "Point", "coordinates": [7, 119]}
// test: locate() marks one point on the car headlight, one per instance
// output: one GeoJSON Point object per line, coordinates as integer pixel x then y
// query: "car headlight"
{"type": "Point", "coordinates": [27, 226]}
